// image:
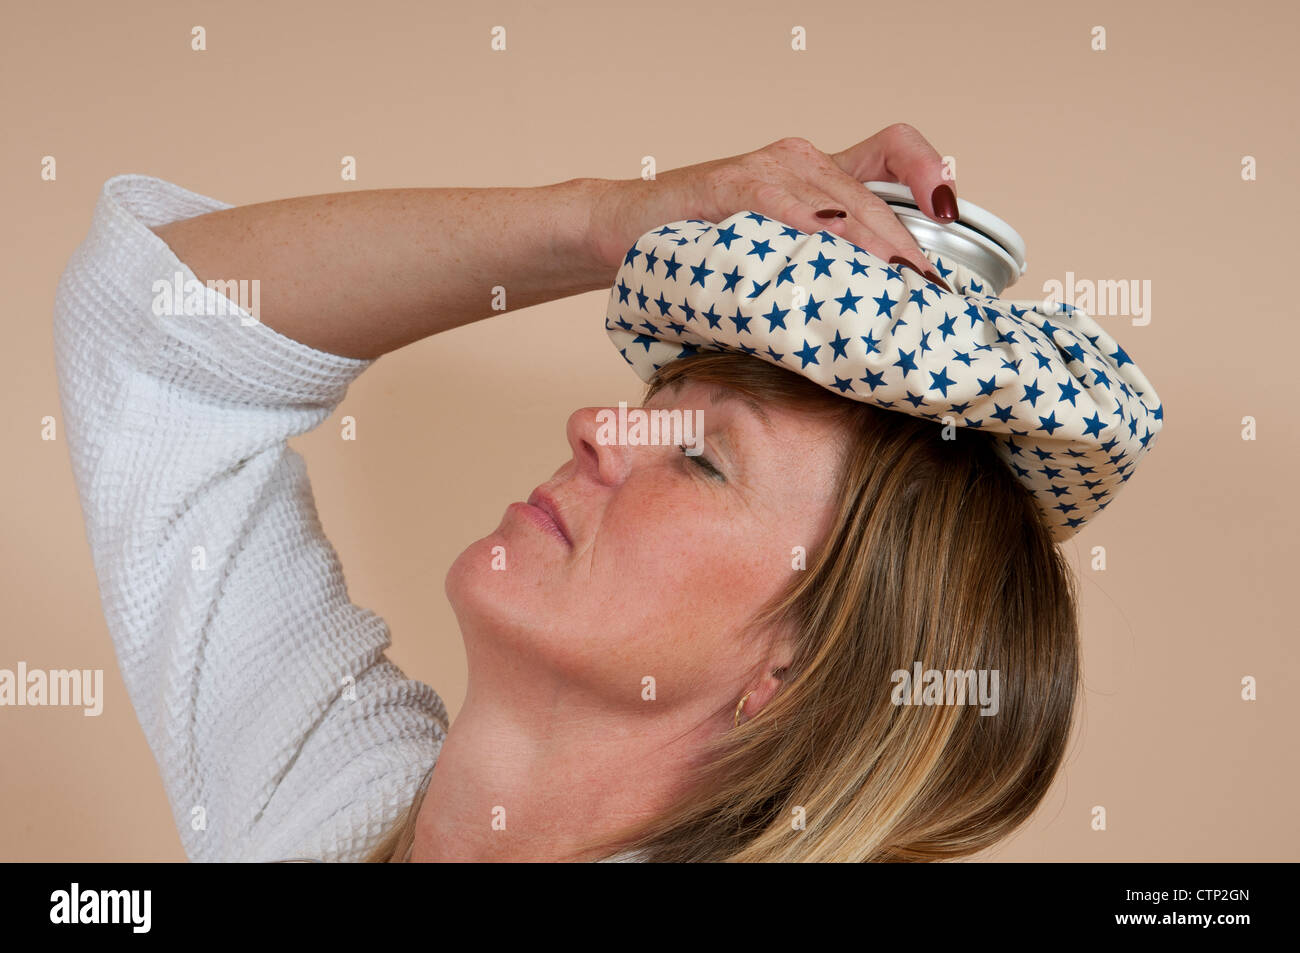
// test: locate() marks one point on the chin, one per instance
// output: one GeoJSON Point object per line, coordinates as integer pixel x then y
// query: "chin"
{"type": "Point", "coordinates": [506, 620]}
{"type": "Point", "coordinates": [486, 599]}
{"type": "Point", "coordinates": [471, 573]}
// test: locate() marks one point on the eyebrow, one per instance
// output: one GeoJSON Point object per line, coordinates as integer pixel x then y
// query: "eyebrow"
{"type": "Point", "coordinates": [719, 393]}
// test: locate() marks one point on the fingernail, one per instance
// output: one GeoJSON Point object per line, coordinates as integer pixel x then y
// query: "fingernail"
{"type": "Point", "coordinates": [900, 260]}
{"type": "Point", "coordinates": [945, 203]}
{"type": "Point", "coordinates": [832, 213]}
{"type": "Point", "coordinates": [938, 279]}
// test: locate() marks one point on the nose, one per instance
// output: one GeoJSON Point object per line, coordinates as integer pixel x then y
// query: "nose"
{"type": "Point", "coordinates": [593, 435]}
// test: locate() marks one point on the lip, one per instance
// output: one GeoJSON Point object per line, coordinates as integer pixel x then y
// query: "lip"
{"type": "Point", "coordinates": [545, 505]}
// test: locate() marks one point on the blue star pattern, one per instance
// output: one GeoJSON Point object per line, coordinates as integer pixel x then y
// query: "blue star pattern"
{"type": "Point", "coordinates": [1072, 412]}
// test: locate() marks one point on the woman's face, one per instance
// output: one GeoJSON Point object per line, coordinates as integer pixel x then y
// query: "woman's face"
{"type": "Point", "coordinates": [664, 562]}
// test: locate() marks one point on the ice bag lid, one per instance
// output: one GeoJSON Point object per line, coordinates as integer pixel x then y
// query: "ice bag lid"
{"type": "Point", "coordinates": [978, 239]}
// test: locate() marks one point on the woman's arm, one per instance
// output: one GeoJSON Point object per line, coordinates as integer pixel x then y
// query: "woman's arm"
{"type": "Point", "coordinates": [279, 725]}
{"type": "Point", "coordinates": [363, 273]}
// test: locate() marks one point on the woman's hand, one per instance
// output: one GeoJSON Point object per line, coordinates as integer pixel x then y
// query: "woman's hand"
{"type": "Point", "coordinates": [790, 180]}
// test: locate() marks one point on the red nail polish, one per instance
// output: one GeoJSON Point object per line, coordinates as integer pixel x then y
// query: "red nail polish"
{"type": "Point", "coordinates": [945, 203]}
{"type": "Point", "coordinates": [938, 280]}
{"type": "Point", "coordinates": [832, 213]}
{"type": "Point", "coordinates": [900, 260]}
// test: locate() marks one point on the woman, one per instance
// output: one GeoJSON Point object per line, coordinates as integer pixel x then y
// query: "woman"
{"type": "Point", "coordinates": [689, 657]}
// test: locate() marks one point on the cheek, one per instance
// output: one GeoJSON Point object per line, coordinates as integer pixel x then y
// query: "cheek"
{"type": "Point", "coordinates": [688, 582]}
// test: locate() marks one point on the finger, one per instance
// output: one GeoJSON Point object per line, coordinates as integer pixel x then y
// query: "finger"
{"type": "Point", "coordinates": [823, 174]}
{"type": "Point", "coordinates": [798, 202]}
{"type": "Point", "coordinates": [899, 153]}
{"type": "Point", "coordinates": [798, 161]}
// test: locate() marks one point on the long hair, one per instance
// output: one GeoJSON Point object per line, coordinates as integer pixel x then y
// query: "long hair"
{"type": "Point", "coordinates": [937, 559]}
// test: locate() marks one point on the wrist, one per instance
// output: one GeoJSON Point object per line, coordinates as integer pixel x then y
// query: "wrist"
{"type": "Point", "coordinates": [624, 209]}
{"type": "Point", "coordinates": [582, 238]}
{"type": "Point", "coordinates": [616, 212]}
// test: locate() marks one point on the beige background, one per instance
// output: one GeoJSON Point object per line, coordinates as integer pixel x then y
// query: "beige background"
{"type": "Point", "coordinates": [1123, 164]}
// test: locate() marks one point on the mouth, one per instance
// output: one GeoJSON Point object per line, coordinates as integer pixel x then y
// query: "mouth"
{"type": "Point", "coordinates": [542, 508]}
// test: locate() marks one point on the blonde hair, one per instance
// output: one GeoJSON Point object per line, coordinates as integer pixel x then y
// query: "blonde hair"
{"type": "Point", "coordinates": [937, 555]}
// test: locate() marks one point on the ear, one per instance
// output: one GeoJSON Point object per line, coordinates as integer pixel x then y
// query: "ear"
{"type": "Point", "coordinates": [760, 693]}
{"type": "Point", "coordinates": [764, 688]}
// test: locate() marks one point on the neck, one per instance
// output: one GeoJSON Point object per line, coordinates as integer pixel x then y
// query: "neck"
{"type": "Point", "coordinates": [523, 780]}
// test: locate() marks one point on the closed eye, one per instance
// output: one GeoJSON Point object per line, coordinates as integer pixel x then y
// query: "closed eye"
{"type": "Point", "coordinates": [703, 464]}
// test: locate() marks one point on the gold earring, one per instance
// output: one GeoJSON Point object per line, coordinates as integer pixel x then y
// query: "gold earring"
{"type": "Point", "coordinates": [735, 722]}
